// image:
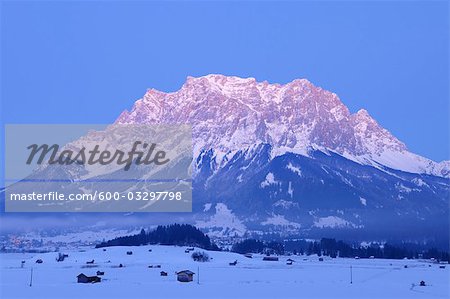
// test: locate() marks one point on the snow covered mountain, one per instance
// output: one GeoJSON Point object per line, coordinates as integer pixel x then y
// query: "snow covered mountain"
{"type": "Point", "coordinates": [229, 114]}
{"type": "Point", "coordinates": [292, 158]}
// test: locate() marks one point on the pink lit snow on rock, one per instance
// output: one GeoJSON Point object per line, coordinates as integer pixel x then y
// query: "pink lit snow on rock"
{"type": "Point", "coordinates": [230, 114]}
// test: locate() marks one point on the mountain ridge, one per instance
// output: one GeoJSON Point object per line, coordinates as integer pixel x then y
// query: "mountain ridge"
{"type": "Point", "coordinates": [229, 113]}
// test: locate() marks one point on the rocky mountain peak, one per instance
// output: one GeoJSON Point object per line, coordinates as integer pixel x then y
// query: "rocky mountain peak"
{"type": "Point", "coordinates": [229, 113]}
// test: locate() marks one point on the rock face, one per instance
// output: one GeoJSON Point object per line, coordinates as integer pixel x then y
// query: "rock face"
{"type": "Point", "coordinates": [230, 114]}
{"type": "Point", "coordinates": [292, 159]}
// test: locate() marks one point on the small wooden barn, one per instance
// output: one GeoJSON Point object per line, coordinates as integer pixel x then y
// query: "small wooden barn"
{"type": "Point", "coordinates": [270, 258]}
{"type": "Point", "coordinates": [82, 278]}
{"type": "Point", "coordinates": [185, 276]}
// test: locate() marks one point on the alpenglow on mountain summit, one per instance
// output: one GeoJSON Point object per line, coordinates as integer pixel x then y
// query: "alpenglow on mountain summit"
{"type": "Point", "coordinates": [229, 114]}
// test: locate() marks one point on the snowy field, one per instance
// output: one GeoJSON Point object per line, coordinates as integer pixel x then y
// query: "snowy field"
{"type": "Point", "coordinates": [250, 278]}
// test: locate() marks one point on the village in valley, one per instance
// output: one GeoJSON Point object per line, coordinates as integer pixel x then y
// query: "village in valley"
{"type": "Point", "coordinates": [137, 265]}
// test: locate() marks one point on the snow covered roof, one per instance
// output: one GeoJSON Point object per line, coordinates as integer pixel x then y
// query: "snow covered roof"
{"type": "Point", "coordinates": [188, 272]}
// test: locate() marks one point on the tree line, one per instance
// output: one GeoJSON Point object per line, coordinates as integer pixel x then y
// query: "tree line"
{"type": "Point", "coordinates": [257, 246]}
{"type": "Point", "coordinates": [332, 248]}
{"type": "Point", "coordinates": [188, 235]}
{"type": "Point", "coordinates": [174, 234]}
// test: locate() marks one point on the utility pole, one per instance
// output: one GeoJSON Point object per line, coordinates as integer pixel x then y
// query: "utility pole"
{"type": "Point", "coordinates": [31, 277]}
{"type": "Point", "coordinates": [351, 275]}
{"type": "Point", "coordinates": [198, 275]}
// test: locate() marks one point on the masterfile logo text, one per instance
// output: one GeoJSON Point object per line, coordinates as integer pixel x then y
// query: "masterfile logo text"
{"type": "Point", "coordinates": [115, 168]}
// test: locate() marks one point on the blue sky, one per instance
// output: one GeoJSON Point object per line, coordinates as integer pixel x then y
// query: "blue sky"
{"type": "Point", "coordinates": [85, 62]}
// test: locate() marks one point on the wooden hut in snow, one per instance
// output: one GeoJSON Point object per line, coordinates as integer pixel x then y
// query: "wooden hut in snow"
{"type": "Point", "coordinates": [185, 276]}
{"type": "Point", "coordinates": [270, 258]}
{"type": "Point", "coordinates": [82, 278]}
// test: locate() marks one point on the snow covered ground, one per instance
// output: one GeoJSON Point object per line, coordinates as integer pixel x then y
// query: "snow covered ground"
{"type": "Point", "coordinates": [250, 278]}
